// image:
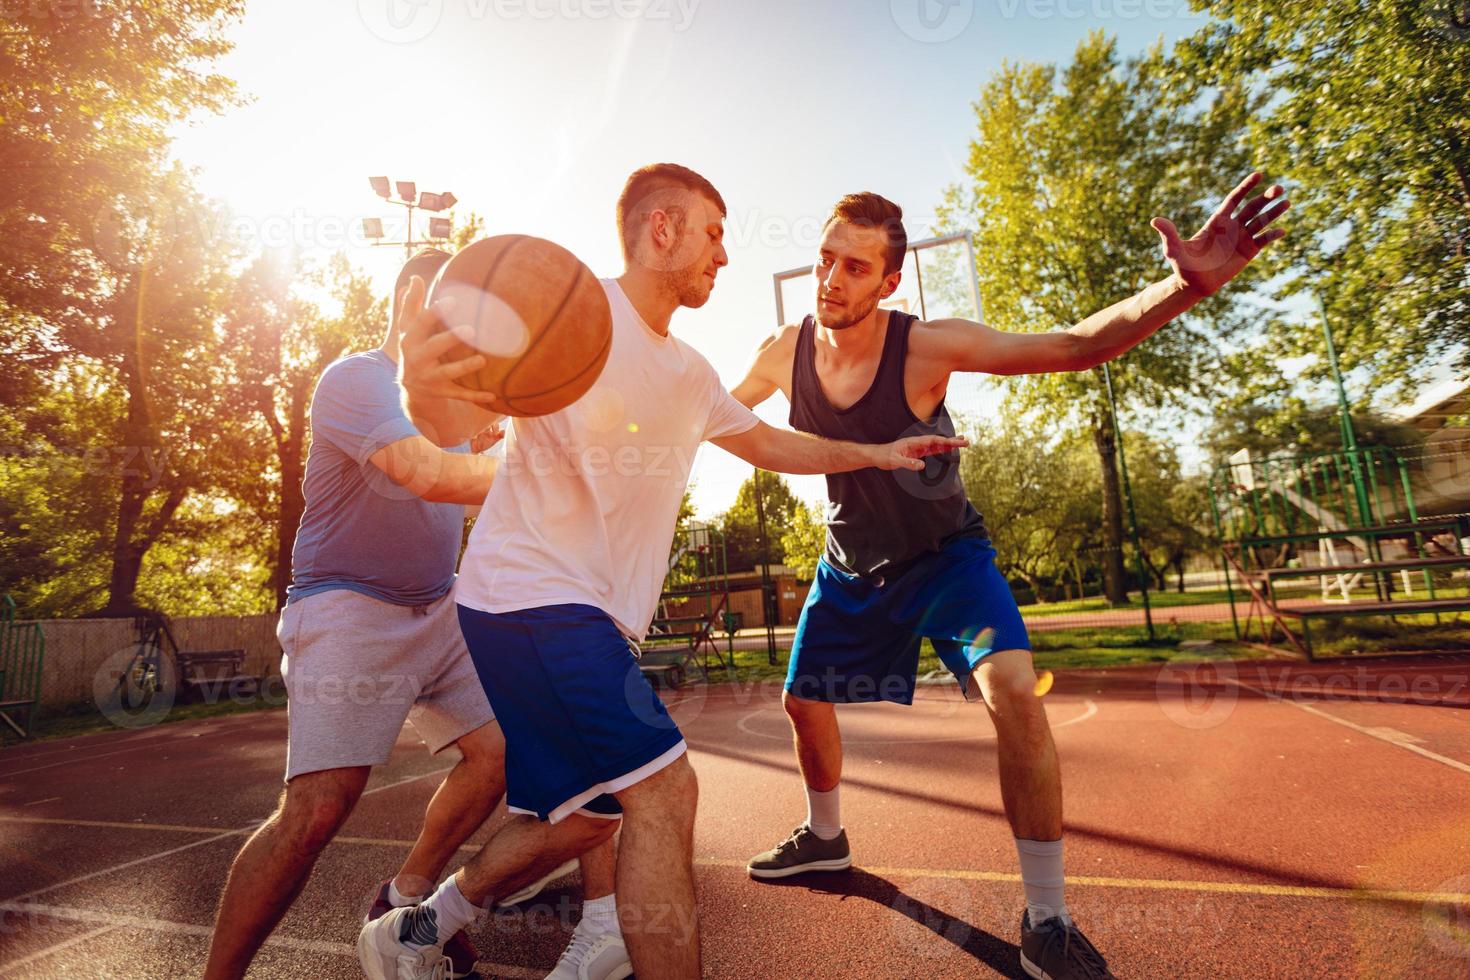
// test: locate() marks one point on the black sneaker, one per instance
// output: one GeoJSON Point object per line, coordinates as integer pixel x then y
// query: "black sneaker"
{"type": "Point", "coordinates": [460, 951]}
{"type": "Point", "coordinates": [802, 851]}
{"type": "Point", "coordinates": [1057, 950]}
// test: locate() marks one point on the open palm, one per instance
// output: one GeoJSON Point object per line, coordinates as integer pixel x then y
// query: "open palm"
{"type": "Point", "coordinates": [1230, 238]}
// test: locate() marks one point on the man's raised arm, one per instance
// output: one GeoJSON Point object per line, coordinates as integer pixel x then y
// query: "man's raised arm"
{"type": "Point", "coordinates": [1229, 240]}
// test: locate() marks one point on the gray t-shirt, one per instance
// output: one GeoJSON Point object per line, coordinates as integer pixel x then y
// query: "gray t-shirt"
{"type": "Point", "coordinates": [360, 530]}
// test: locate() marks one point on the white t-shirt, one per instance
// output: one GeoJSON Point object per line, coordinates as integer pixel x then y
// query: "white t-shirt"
{"type": "Point", "coordinates": [583, 508]}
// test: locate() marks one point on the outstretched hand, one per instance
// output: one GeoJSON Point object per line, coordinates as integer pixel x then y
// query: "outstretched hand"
{"type": "Point", "coordinates": [909, 453]}
{"type": "Point", "coordinates": [1229, 240]}
{"type": "Point", "coordinates": [424, 343]}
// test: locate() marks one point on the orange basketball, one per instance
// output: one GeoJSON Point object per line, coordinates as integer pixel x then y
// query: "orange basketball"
{"type": "Point", "coordinates": [538, 315]}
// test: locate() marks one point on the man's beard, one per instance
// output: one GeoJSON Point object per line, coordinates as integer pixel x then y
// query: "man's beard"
{"type": "Point", "coordinates": [851, 314]}
{"type": "Point", "coordinates": [689, 287]}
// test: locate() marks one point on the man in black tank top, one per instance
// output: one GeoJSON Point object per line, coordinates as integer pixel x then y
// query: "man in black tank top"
{"type": "Point", "coordinates": [908, 557]}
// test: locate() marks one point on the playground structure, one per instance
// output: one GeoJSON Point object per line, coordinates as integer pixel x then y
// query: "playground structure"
{"type": "Point", "coordinates": [22, 653]}
{"type": "Point", "coordinates": [692, 609]}
{"type": "Point", "coordinates": [1347, 518]}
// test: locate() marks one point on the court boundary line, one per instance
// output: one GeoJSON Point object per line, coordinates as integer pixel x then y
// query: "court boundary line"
{"type": "Point", "coordinates": [965, 874]}
{"type": "Point", "coordinates": [233, 832]}
{"type": "Point", "coordinates": [1360, 729]}
{"type": "Point", "coordinates": [115, 920]}
{"type": "Point", "coordinates": [9, 968]}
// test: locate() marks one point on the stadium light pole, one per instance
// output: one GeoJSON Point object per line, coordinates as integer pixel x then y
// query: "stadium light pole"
{"type": "Point", "coordinates": [409, 197]}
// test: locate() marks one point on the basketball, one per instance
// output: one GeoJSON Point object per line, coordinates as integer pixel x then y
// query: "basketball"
{"type": "Point", "coordinates": [537, 314]}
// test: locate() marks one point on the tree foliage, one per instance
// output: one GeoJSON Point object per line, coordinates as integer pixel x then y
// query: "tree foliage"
{"type": "Point", "coordinates": [740, 522]}
{"type": "Point", "coordinates": [1066, 169]}
{"type": "Point", "coordinates": [1369, 121]}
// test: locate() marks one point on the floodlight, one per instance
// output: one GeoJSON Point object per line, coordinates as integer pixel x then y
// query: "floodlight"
{"type": "Point", "coordinates": [407, 190]}
{"type": "Point", "coordinates": [439, 227]}
{"type": "Point", "coordinates": [380, 186]}
{"type": "Point", "coordinates": [372, 227]}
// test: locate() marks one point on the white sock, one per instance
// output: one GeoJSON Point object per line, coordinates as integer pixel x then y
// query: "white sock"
{"type": "Point", "coordinates": [445, 912]}
{"type": "Point", "coordinates": [1041, 876]}
{"type": "Point", "coordinates": [398, 900]}
{"type": "Point", "coordinates": [824, 812]}
{"type": "Point", "coordinates": [603, 912]}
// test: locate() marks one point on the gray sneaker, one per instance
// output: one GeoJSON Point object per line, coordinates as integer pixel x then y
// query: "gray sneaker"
{"type": "Point", "coordinates": [802, 851]}
{"type": "Point", "coordinates": [1057, 950]}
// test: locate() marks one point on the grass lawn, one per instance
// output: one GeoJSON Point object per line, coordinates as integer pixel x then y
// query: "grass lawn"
{"type": "Point", "coordinates": [1157, 600]}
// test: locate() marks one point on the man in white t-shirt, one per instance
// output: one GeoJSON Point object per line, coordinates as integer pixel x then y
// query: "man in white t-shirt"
{"type": "Point", "coordinates": [562, 575]}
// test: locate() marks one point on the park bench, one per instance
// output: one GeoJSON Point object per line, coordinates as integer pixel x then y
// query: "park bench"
{"type": "Point", "coordinates": [1262, 583]}
{"type": "Point", "coordinates": [677, 635]}
{"type": "Point", "coordinates": [22, 651]}
{"type": "Point", "coordinates": [199, 672]}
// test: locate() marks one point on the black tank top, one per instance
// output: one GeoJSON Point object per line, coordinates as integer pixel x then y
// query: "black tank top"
{"type": "Point", "coordinates": [879, 521]}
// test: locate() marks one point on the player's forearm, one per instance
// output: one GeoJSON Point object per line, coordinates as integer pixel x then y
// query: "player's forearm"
{"type": "Point", "coordinates": [1114, 331]}
{"type": "Point", "coordinates": [800, 453]}
{"type": "Point", "coordinates": [443, 421]}
{"type": "Point", "coordinates": [463, 478]}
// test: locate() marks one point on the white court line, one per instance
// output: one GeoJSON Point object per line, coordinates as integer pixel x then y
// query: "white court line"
{"type": "Point", "coordinates": [8, 969]}
{"type": "Point", "coordinates": [247, 828]}
{"type": "Point", "coordinates": [848, 740]}
{"type": "Point", "coordinates": [1370, 732]}
{"type": "Point", "coordinates": [113, 920]}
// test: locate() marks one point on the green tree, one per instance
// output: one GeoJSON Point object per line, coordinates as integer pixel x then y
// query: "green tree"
{"type": "Point", "coordinates": [1369, 118]}
{"type": "Point", "coordinates": [740, 523]}
{"type": "Point", "coordinates": [1066, 169]}
{"type": "Point", "coordinates": [87, 94]}
{"type": "Point", "coordinates": [804, 540]}
{"type": "Point", "coordinates": [1038, 493]}
{"type": "Point", "coordinates": [286, 342]}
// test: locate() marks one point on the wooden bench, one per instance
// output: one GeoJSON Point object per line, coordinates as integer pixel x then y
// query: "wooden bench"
{"type": "Point", "coordinates": [22, 653]}
{"type": "Point", "coordinates": [1304, 613]}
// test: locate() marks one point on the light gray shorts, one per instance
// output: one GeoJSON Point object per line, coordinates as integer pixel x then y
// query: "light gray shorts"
{"type": "Point", "coordinates": [356, 667]}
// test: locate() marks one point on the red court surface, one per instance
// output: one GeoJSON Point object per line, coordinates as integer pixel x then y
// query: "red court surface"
{"type": "Point", "coordinates": [1234, 820]}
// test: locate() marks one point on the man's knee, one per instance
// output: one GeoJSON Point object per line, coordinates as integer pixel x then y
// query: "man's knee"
{"type": "Point", "coordinates": [801, 711]}
{"type": "Point", "coordinates": [1008, 684]}
{"type": "Point", "coordinates": [673, 790]}
{"type": "Point", "coordinates": [483, 749]}
{"type": "Point", "coordinates": [313, 810]}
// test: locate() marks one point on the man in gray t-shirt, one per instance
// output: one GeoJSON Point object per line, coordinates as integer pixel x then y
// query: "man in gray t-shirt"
{"type": "Point", "coordinates": [371, 638]}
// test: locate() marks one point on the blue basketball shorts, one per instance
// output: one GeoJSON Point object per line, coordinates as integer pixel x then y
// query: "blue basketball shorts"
{"type": "Point", "coordinates": [858, 637]}
{"type": "Point", "coordinates": [580, 720]}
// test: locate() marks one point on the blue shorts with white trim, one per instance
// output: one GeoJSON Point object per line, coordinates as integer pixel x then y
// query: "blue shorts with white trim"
{"type": "Point", "coordinates": [580, 720]}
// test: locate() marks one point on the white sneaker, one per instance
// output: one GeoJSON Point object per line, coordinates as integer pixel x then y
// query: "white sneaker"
{"type": "Point", "coordinates": [594, 953]}
{"type": "Point", "coordinates": [534, 889]}
{"type": "Point", "coordinates": [385, 955]}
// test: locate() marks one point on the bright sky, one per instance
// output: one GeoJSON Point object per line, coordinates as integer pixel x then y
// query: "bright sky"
{"type": "Point", "coordinates": [534, 111]}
